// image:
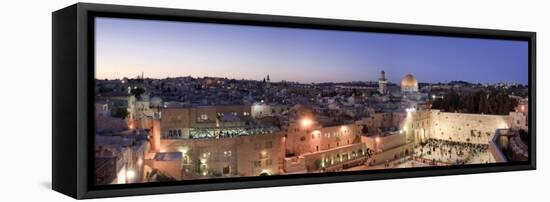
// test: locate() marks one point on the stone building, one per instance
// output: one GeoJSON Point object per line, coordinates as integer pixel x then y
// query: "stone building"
{"type": "Point", "coordinates": [251, 155]}
{"type": "Point", "coordinates": [314, 147]}
{"type": "Point", "coordinates": [219, 141]}
{"type": "Point", "coordinates": [202, 122]}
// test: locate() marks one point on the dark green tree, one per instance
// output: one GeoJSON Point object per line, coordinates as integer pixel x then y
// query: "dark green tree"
{"type": "Point", "coordinates": [137, 91]}
{"type": "Point", "coordinates": [121, 112]}
{"type": "Point", "coordinates": [486, 102]}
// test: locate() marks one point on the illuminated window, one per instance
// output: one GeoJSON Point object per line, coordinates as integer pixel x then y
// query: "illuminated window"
{"type": "Point", "coordinates": [263, 155]}
{"type": "Point", "coordinates": [206, 155]}
{"type": "Point", "coordinates": [186, 160]}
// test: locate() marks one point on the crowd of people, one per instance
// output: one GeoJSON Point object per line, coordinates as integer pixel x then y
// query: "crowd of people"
{"type": "Point", "coordinates": [455, 153]}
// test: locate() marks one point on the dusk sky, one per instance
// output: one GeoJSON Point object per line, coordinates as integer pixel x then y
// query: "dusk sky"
{"type": "Point", "coordinates": [160, 49]}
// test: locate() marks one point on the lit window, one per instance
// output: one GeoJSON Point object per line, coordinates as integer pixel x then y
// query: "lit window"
{"type": "Point", "coordinates": [206, 155]}
{"type": "Point", "coordinates": [263, 155]}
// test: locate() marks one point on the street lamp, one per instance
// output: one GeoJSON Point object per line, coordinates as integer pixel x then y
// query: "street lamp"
{"type": "Point", "coordinates": [306, 122]}
{"type": "Point", "coordinates": [129, 174]}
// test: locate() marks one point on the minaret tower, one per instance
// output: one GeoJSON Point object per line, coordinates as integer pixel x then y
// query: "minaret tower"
{"type": "Point", "coordinates": [382, 83]}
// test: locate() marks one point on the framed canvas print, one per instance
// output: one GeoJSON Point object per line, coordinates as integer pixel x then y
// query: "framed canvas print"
{"type": "Point", "coordinates": [154, 100]}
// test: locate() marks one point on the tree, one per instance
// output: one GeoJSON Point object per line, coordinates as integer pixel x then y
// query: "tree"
{"type": "Point", "coordinates": [121, 112]}
{"type": "Point", "coordinates": [486, 102]}
{"type": "Point", "coordinates": [137, 91]}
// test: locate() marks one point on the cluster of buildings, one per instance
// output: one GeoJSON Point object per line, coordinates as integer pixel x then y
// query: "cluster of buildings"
{"type": "Point", "coordinates": [193, 128]}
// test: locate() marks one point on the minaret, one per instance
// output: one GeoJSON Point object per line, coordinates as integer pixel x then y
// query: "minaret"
{"type": "Point", "coordinates": [382, 83]}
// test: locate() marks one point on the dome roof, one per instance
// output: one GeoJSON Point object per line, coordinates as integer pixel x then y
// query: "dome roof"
{"type": "Point", "coordinates": [409, 83]}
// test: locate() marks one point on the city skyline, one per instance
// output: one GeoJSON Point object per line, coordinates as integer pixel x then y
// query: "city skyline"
{"type": "Point", "coordinates": [194, 129]}
{"type": "Point", "coordinates": [126, 48]}
{"type": "Point", "coordinates": [144, 76]}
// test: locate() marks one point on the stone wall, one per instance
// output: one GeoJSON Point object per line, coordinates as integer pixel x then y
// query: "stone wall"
{"type": "Point", "coordinates": [461, 127]}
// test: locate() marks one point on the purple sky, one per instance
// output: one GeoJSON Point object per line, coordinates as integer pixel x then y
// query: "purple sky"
{"type": "Point", "coordinates": [160, 49]}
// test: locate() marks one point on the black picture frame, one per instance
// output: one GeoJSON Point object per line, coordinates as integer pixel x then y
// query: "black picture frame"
{"type": "Point", "coordinates": [73, 95]}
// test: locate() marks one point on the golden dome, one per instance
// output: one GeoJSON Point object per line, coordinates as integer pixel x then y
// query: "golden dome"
{"type": "Point", "coordinates": [409, 83]}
